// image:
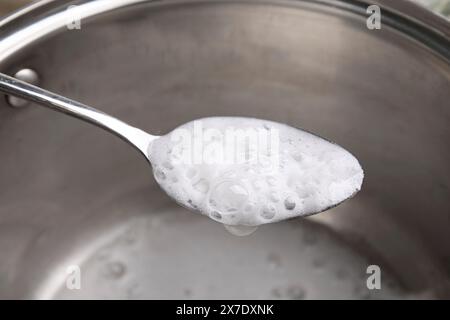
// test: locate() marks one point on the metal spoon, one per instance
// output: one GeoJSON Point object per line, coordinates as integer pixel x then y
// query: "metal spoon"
{"type": "Point", "coordinates": [134, 136]}
{"type": "Point", "coordinates": [142, 141]}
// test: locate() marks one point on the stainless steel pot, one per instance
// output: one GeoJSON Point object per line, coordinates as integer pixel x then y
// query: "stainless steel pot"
{"type": "Point", "coordinates": [75, 201]}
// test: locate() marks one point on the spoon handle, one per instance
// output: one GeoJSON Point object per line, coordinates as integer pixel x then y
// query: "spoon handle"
{"type": "Point", "coordinates": [138, 138]}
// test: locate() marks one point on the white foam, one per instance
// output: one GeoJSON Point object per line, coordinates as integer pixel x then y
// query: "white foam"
{"type": "Point", "coordinates": [245, 182]}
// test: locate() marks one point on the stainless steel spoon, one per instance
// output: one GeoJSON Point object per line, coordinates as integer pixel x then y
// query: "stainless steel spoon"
{"type": "Point", "coordinates": [134, 136]}
{"type": "Point", "coordinates": [142, 141]}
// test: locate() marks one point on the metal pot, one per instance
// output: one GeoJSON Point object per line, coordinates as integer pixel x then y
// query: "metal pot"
{"type": "Point", "coordinates": [80, 216]}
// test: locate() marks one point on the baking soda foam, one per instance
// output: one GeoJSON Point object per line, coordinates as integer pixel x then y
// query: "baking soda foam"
{"type": "Point", "coordinates": [244, 172]}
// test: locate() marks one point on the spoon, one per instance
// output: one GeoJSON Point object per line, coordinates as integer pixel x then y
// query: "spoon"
{"type": "Point", "coordinates": [285, 173]}
{"type": "Point", "coordinates": [134, 136]}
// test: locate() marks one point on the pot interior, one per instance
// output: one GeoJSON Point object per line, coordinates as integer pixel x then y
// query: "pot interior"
{"type": "Point", "coordinates": [73, 195]}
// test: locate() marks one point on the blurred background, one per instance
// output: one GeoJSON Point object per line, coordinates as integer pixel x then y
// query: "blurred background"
{"type": "Point", "coordinates": [7, 6]}
{"type": "Point", "coordinates": [439, 6]}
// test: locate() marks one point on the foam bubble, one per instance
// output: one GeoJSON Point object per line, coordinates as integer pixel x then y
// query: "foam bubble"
{"type": "Point", "coordinates": [268, 211]}
{"type": "Point", "coordinates": [279, 172]}
{"type": "Point", "coordinates": [289, 203]}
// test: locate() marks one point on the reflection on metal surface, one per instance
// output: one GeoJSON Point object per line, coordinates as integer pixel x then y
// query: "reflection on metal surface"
{"type": "Point", "coordinates": [29, 76]}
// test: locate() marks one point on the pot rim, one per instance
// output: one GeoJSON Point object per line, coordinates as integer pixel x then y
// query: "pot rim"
{"type": "Point", "coordinates": [26, 25]}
